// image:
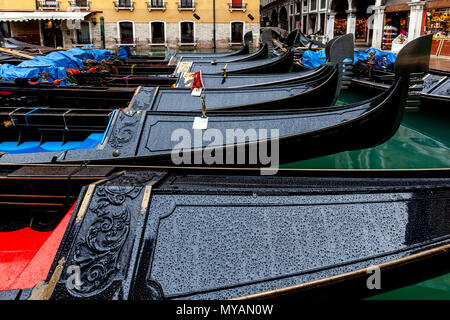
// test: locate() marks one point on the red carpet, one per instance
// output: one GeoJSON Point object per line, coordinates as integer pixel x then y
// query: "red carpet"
{"type": "Point", "coordinates": [27, 255]}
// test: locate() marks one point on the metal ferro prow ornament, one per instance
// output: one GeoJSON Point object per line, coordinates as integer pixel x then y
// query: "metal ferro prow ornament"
{"type": "Point", "coordinates": [203, 107]}
{"type": "Point", "coordinates": [224, 71]}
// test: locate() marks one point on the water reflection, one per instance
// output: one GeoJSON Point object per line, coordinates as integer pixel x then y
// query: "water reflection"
{"type": "Point", "coordinates": [422, 141]}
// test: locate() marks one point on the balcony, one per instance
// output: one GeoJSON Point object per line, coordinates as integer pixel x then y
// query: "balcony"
{"type": "Point", "coordinates": [237, 7]}
{"type": "Point", "coordinates": [157, 42]}
{"type": "Point", "coordinates": [48, 5]}
{"type": "Point", "coordinates": [79, 4]}
{"type": "Point", "coordinates": [156, 5]}
{"type": "Point", "coordinates": [123, 5]}
{"type": "Point", "coordinates": [235, 42]}
{"type": "Point", "coordinates": [131, 42]}
{"type": "Point", "coordinates": [184, 5]}
{"type": "Point", "coordinates": [187, 41]}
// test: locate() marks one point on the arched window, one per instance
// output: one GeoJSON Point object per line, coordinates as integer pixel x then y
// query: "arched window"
{"type": "Point", "coordinates": [187, 32]}
{"type": "Point", "coordinates": [157, 32]}
{"type": "Point", "coordinates": [126, 32]}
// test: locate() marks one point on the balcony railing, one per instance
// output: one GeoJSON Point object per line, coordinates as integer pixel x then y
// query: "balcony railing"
{"type": "Point", "coordinates": [235, 42]}
{"type": "Point", "coordinates": [157, 42]}
{"type": "Point", "coordinates": [237, 7]}
{"type": "Point", "coordinates": [79, 4]}
{"type": "Point", "coordinates": [187, 42]}
{"type": "Point", "coordinates": [156, 5]}
{"type": "Point", "coordinates": [48, 5]}
{"type": "Point", "coordinates": [123, 5]}
{"type": "Point", "coordinates": [126, 42]}
{"type": "Point", "coordinates": [186, 5]}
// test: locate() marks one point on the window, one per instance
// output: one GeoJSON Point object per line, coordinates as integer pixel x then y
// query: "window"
{"type": "Point", "coordinates": [157, 3]}
{"type": "Point", "coordinates": [84, 34]}
{"type": "Point", "coordinates": [157, 32]}
{"type": "Point", "coordinates": [236, 4]}
{"type": "Point", "coordinates": [313, 5]}
{"type": "Point", "coordinates": [48, 4]}
{"type": "Point", "coordinates": [126, 32]}
{"type": "Point", "coordinates": [80, 3]}
{"type": "Point", "coordinates": [124, 5]}
{"type": "Point", "coordinates": [4, 29]}
{"type": "Point", "coordinates": [186, 4]}
{"type": "Point", "coordinates": [187, 32]}
{"type": "Point", "coordinates": [323, 4]}
{"type": "Point", "coordinates": [237, 32]}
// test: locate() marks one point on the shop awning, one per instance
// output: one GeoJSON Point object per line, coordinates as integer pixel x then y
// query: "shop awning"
{"type": "Point", "coordinates": [437, 4]}
{"type": "Point", "coordinates": [397, 5]}
{"type": "Point", "coordinates": [41, 15]}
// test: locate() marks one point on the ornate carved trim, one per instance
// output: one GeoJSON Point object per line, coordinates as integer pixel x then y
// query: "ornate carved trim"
{"type": "Point", "coordinates": [124, 129]}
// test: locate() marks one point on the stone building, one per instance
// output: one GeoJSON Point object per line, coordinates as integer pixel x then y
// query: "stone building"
{"type": "Point", "coordinates": [375, 23]}
{"type": "Point", "coordinates": [147, 24]}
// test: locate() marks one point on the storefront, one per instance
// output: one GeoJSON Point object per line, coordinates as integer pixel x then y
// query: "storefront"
{"type": "Point", "coordinates": [361, 29]}
{"type": "Point", "coordinates": [340, 26]}
{"type": "Point", "coordinates": [437, 22]}
{"type": "Point", "coordinates": [395, 28]}
{"type": "Point", "coordinates": [52, 29]}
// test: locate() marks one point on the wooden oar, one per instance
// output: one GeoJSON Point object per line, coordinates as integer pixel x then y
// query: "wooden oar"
{"type": "Point", "coordinates": [16, 53]}
{"type": "Point", "coordinates": [279, 45]}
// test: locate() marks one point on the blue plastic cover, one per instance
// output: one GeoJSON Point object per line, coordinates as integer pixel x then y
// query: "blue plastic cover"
{"type": "Point", "coordinates": [362, 55]}
{"type": "Point", "coordinates": [55, 63]}
{"type": "Point", "coordinates": [312, 59]}
{"type": "Point", "coordinates": [124, 53]}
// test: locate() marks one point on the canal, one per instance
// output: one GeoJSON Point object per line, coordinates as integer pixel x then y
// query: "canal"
{"type": "Point", "coordinates": [422, 141]}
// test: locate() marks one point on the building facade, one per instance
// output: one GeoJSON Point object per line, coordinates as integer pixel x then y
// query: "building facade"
{"type": "Point", "coordinates": [374, 23]}
{"type": "Point", "coordinates": [146, 24]}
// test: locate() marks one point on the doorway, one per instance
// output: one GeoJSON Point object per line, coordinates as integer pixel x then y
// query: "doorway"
{"type": "Point", "coordinates": [52, 32]}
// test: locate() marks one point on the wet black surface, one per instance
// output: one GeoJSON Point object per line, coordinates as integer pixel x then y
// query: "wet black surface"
{"type": "Point", "coordinates": [210, 236]}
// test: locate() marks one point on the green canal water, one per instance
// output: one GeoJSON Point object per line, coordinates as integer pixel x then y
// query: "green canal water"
{"type": "Point", "coordinates": [422, 141]}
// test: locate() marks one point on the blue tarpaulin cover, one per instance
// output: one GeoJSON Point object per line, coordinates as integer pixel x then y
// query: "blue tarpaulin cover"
{"type": "Point", "coordinates": [124, 53]}
{"type": "Point", "coordinates": [55, 63]}
{"type": "Point", "coordinates": [311, 59]}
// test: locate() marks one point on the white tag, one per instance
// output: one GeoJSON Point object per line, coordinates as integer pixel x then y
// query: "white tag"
{"type": "Point", "coordinates": [197, 92]}
{"type": "Point", "coordinates": [200, 123]}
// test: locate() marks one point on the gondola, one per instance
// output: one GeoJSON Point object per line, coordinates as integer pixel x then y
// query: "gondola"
{"type": "Point", "coordinates": [248, 37]}
{"type": "Point", "coordinates": [144, 67]}
{"type": "Point", "coordinates": [13, 57]}
{"type": "Point", "coordinates": [313, 89]}
{"type": "Point", "coordinates": [272, 65]}
{"type": "Point", "coordinates": [158, 233]}
{"type": "Point", "coordinates": [13, 51]}
{"type": "Point", "coordinates": [144, 136]}
{"type": "Point", "coordinates": [18, 45]}
{"type": "Point", "coordinates": [69, 124]}
{"type": "Point", "coordinates": [433, 90]}
{"type": "Point", "coordinates": [342, 51]}
{"type": "Point", "coordinates": [269, 65]}
{"type": "Point", "coordinates": [298, 43]}
{"type": "Point", "coordinates": [435, 95]}
{"type": "Point", "coordinates": [219, 80]}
